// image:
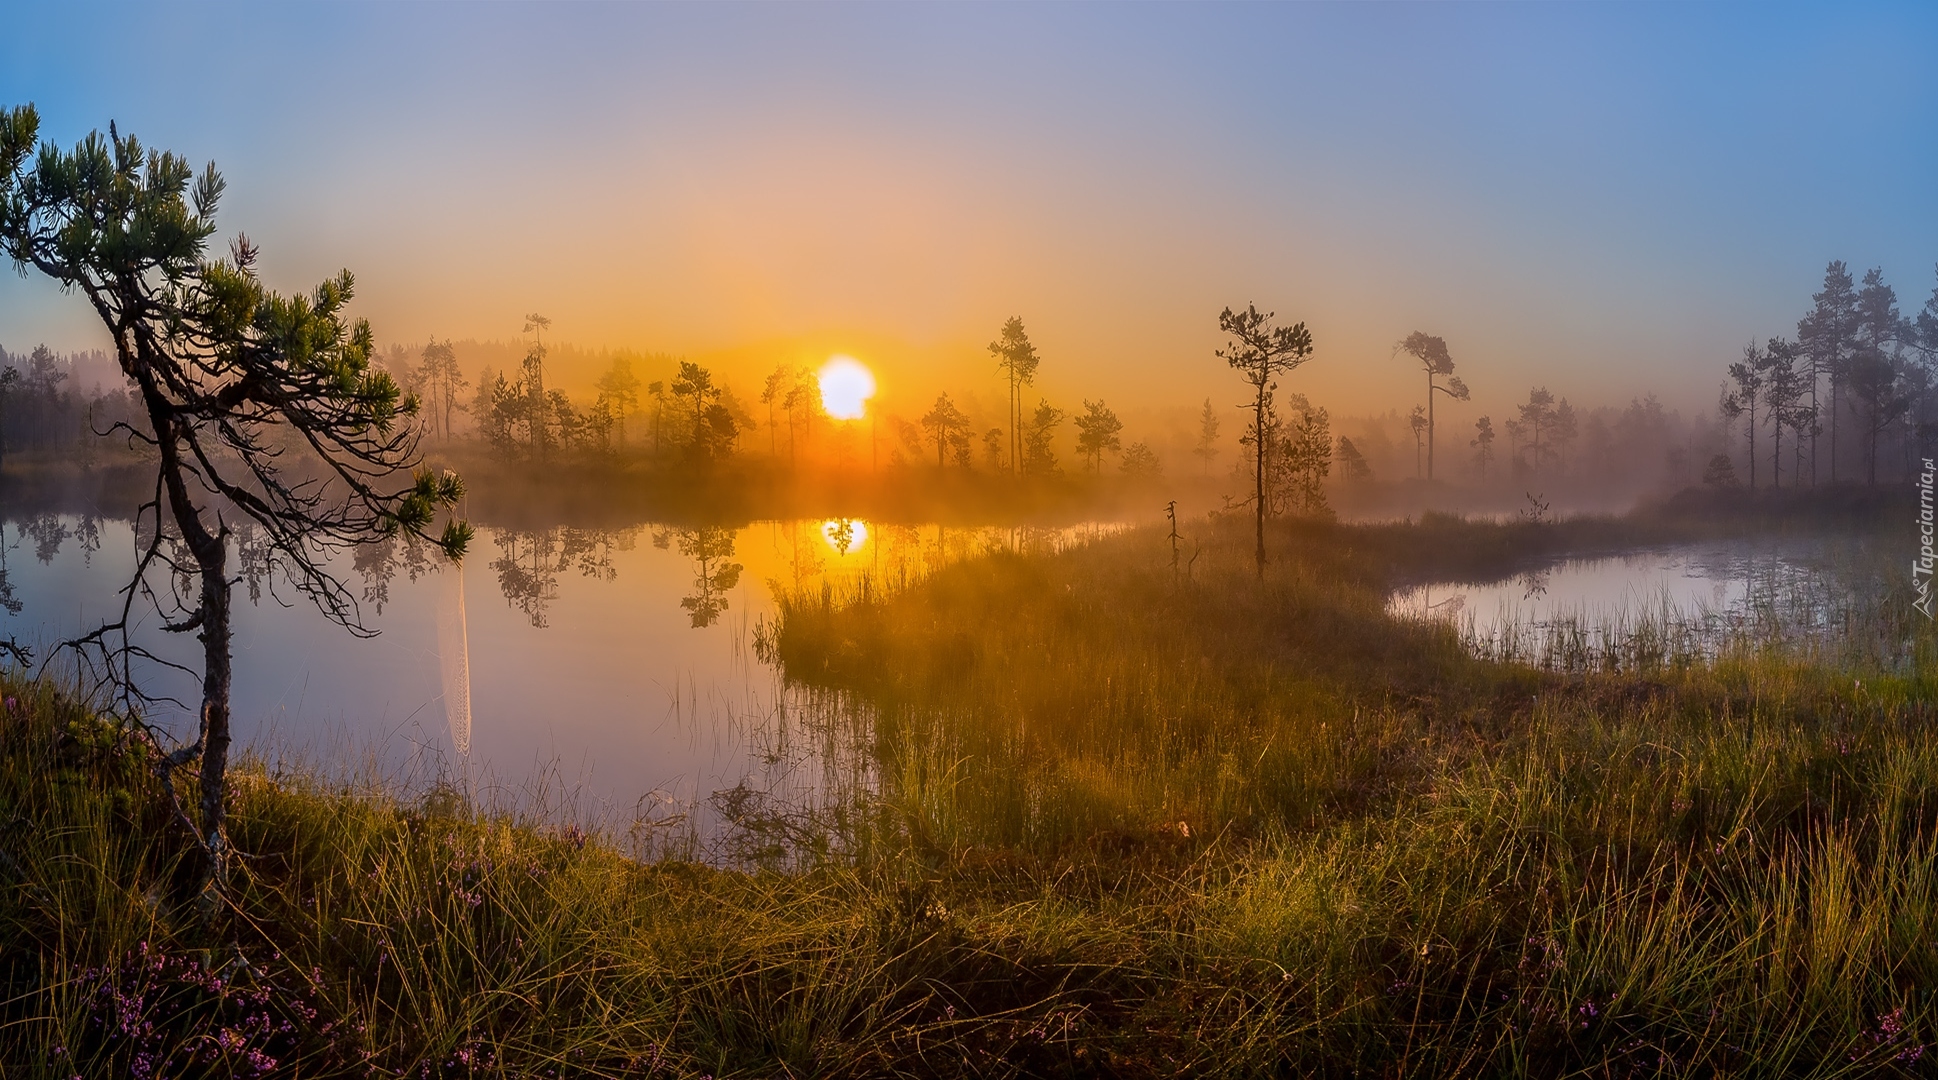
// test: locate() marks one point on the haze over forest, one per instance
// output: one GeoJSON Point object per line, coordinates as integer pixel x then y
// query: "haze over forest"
{"type": "Point", "coordinates": [1607, 202]}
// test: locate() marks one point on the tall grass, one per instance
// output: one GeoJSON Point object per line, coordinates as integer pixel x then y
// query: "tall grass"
{"type": "Point", "coordinates": [1098, 821]}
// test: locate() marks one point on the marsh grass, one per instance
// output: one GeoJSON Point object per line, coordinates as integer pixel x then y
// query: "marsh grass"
{"type": "Point", "coordinates": [1098, 821]}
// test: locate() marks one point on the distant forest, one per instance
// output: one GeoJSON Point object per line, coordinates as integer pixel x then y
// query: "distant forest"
{"type": "Point", "coordinates": [1850, 396]}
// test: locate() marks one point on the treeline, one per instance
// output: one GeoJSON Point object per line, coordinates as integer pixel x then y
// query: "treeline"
{"type": "Point", "coordinates": [54, 404]}
{"type": "Point", "coordinates": [1855, 392]}
{"type": "Point", "coordinates": [1543, 440]}
{"type": "Point", "coordinates": [1608, 451]}
{"type": "Point", "coordinates": [669, 413]}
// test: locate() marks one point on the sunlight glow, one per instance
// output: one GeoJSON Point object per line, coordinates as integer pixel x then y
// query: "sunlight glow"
{"type": "Point", "coordinates": [845, 534]}
{"type": "Point", "coordinates": [846, 386]}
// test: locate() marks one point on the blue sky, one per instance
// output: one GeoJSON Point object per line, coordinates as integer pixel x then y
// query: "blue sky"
{"type": "Point", "coordinates": [1607, 199]}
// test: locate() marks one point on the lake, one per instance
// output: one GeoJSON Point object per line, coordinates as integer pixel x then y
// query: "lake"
{"type": "Point", "coordinates": [610, 672]}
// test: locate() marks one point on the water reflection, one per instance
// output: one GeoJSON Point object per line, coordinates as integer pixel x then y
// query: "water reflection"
{"type": "Point", "coordinates": [529, 563]}
{"type": "Point", "coordinates": [711, 549]}
{"type": "Point", "coordinates": [607, 678]}
{"type": "Point", "coordinates": [844, 534]}
{"type": "Point", "coordinates": [1834, 601]}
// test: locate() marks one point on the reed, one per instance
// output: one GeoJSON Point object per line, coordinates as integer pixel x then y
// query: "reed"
{"type": "Point", "coordinates": [1095, 820]}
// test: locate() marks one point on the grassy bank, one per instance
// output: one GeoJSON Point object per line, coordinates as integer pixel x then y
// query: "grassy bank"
{"type": "Point", "coordinates": [1106, 820]}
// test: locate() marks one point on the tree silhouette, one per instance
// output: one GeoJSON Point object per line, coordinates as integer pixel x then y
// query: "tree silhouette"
{"type": "Point", "coordinates": [1547, 423]}
{"type": "Point", "coordinates": [1828, 336]}
{"type": "Point", "coordinates": [237, 384]}
{"type": "Point", "coordinates": [1483, 445]}
{"type": "Point", "coordinates": [1039, 449]}
{"type": "Point", "coordinates": [1261, 353]}
{"type": "Point", "coordinates": [442, 383]}
{"type": "Point", "coordinates": [8, 377]}
{"type": "Point", "coordinates": [1016, 358]}
{"type": "Point", "coordinates": [1747, 374]}
{"type": "Point", "coordinates": [1352, 463]}
{"type": "Point", "coordinates": [992, 449]}
{"type": "Point", "coordinates": [1878, 395]}
{"type": "Point", "coordinates": [1300, 454]}
{"type": "Point", "coordinates": [1098, 430]}
{"type": "Point", "coordinates": [619, 386]}
{"type": "Point", "coordinates": [656, 390]}
{"type": "Point", "coordinates": [948, 428]}
{"type": "Point", "coordinates": [1721, 472]}
{"type": "Point", "coordinates": [1926, 328]}
{"type": "Point", "coordinates": [1433, 356]}
{"type": "Point", "coordinates": [1784, 386]}
{"type": "Point", "coordinates": [771, 393]}
{"type": "Point", "coordinates": [1207, 447]}
{"type": "Point", "coordinates": [1417, 422]}
{"type": "Point", "coordinates": [536, 404]}
{"type": "Point", "coordinates": [1140, 462]}
{"type": "Point", "coordinates": [711, 549]}
{"type": "Point", "coordinates": [714, 428]}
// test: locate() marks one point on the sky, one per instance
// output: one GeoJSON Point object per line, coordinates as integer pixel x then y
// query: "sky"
{"type": "Point", "coordinates": [1606, 199]}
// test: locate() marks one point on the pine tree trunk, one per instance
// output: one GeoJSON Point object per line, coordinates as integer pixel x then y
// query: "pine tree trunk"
{"type": "Point", "coordinates": [216, 680]}
{"type": "Point", "coordinates": [210, 551]}
{"type": "Point", "coordinates": [1429, 425]}
{"type": "Point", "coordinates": [1258, 458]}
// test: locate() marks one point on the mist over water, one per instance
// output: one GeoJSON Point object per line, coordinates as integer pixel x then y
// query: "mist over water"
{"type": "Point", "coordinates": [593, 674]}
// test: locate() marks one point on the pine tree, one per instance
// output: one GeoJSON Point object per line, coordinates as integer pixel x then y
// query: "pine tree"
{"type": "Point", "coordinates": [1261, 353]}
{"type": "Point", "coordinates": [229, 374]}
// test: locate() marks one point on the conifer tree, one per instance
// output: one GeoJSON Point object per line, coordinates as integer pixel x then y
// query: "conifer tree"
{"type": "Point", "coordinates": [230, 376]}
{"type": "Point", "coordinates": [1261, 353]}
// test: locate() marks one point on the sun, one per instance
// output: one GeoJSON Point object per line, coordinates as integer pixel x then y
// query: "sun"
{"type": "Point", "coordinates": [846, 386]}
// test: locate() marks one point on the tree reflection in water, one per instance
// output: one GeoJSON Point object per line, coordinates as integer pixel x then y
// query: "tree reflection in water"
{"type": "Point", "coordinates": [529, 563]}
{"type": "Point", "coordinates": [711, 549]}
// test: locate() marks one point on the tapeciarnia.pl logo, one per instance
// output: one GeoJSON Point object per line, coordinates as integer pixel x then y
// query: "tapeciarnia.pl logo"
{"type": "Point", "coordinates": [1921, 566]}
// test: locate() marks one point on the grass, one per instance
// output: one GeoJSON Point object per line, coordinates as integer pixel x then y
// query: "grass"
{"type": "Point", "coordinates": [1101, 820]}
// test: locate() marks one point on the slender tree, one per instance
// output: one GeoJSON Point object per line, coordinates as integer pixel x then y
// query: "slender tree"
{"type": "Point", "coordinates": [1783, 392]}
{"type": "Point", "coordinates": [1741, 401]}
{"type": "Point", "coordinates": [1016, 358]}
{"type": "Point", "coordinates": [1417, 422]}
{"type": "Point", "coordinates": [1878, 395]}
{"type": "Point", "coordinates": [230, 377]}
{"type": "Point", "coordinates": [1876, 383]}
{"type": "Point", "coordinates": [1438, 363]}
{"type": "Point", "coordinates": [771, 394]}
{"type": "Point", "coordinates": [1828, 336]}
{"type": "Point", "coordinates": [9, 376]}
{"type": "Point", "coordinates": [536, 402]}
{"type": "Point", "coordinates": [1207, 447]}
{"type": "Point", "coordinates": [1483, 444]}
{"type": "Point", "coordinates": [619, 386]}
{"type": "Point", "coordinates": [656, 390]}
{"type": "Point", "coordinates": [1261, 353]}
{"type": "Point", "coordinates": [443, 382]}
{"type": "Point", "coordinates": [1925, 328]}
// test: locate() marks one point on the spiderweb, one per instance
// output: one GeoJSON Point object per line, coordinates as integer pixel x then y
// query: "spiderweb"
{"type": "Point", "coordinates": [454, 656]}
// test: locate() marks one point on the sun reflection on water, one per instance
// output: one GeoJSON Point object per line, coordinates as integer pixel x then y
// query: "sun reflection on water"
{"type": "Point", "coordinates": [845, 535]}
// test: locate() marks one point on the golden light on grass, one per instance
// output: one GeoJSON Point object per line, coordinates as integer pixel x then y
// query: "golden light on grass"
{"type": "Point", "coordinates": [846, 386]}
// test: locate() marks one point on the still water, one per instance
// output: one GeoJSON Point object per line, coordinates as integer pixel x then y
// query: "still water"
{"type": "Point", "coordinates": [609, 673]}
{"type": "Point", "coordinates": [1832, 598]}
